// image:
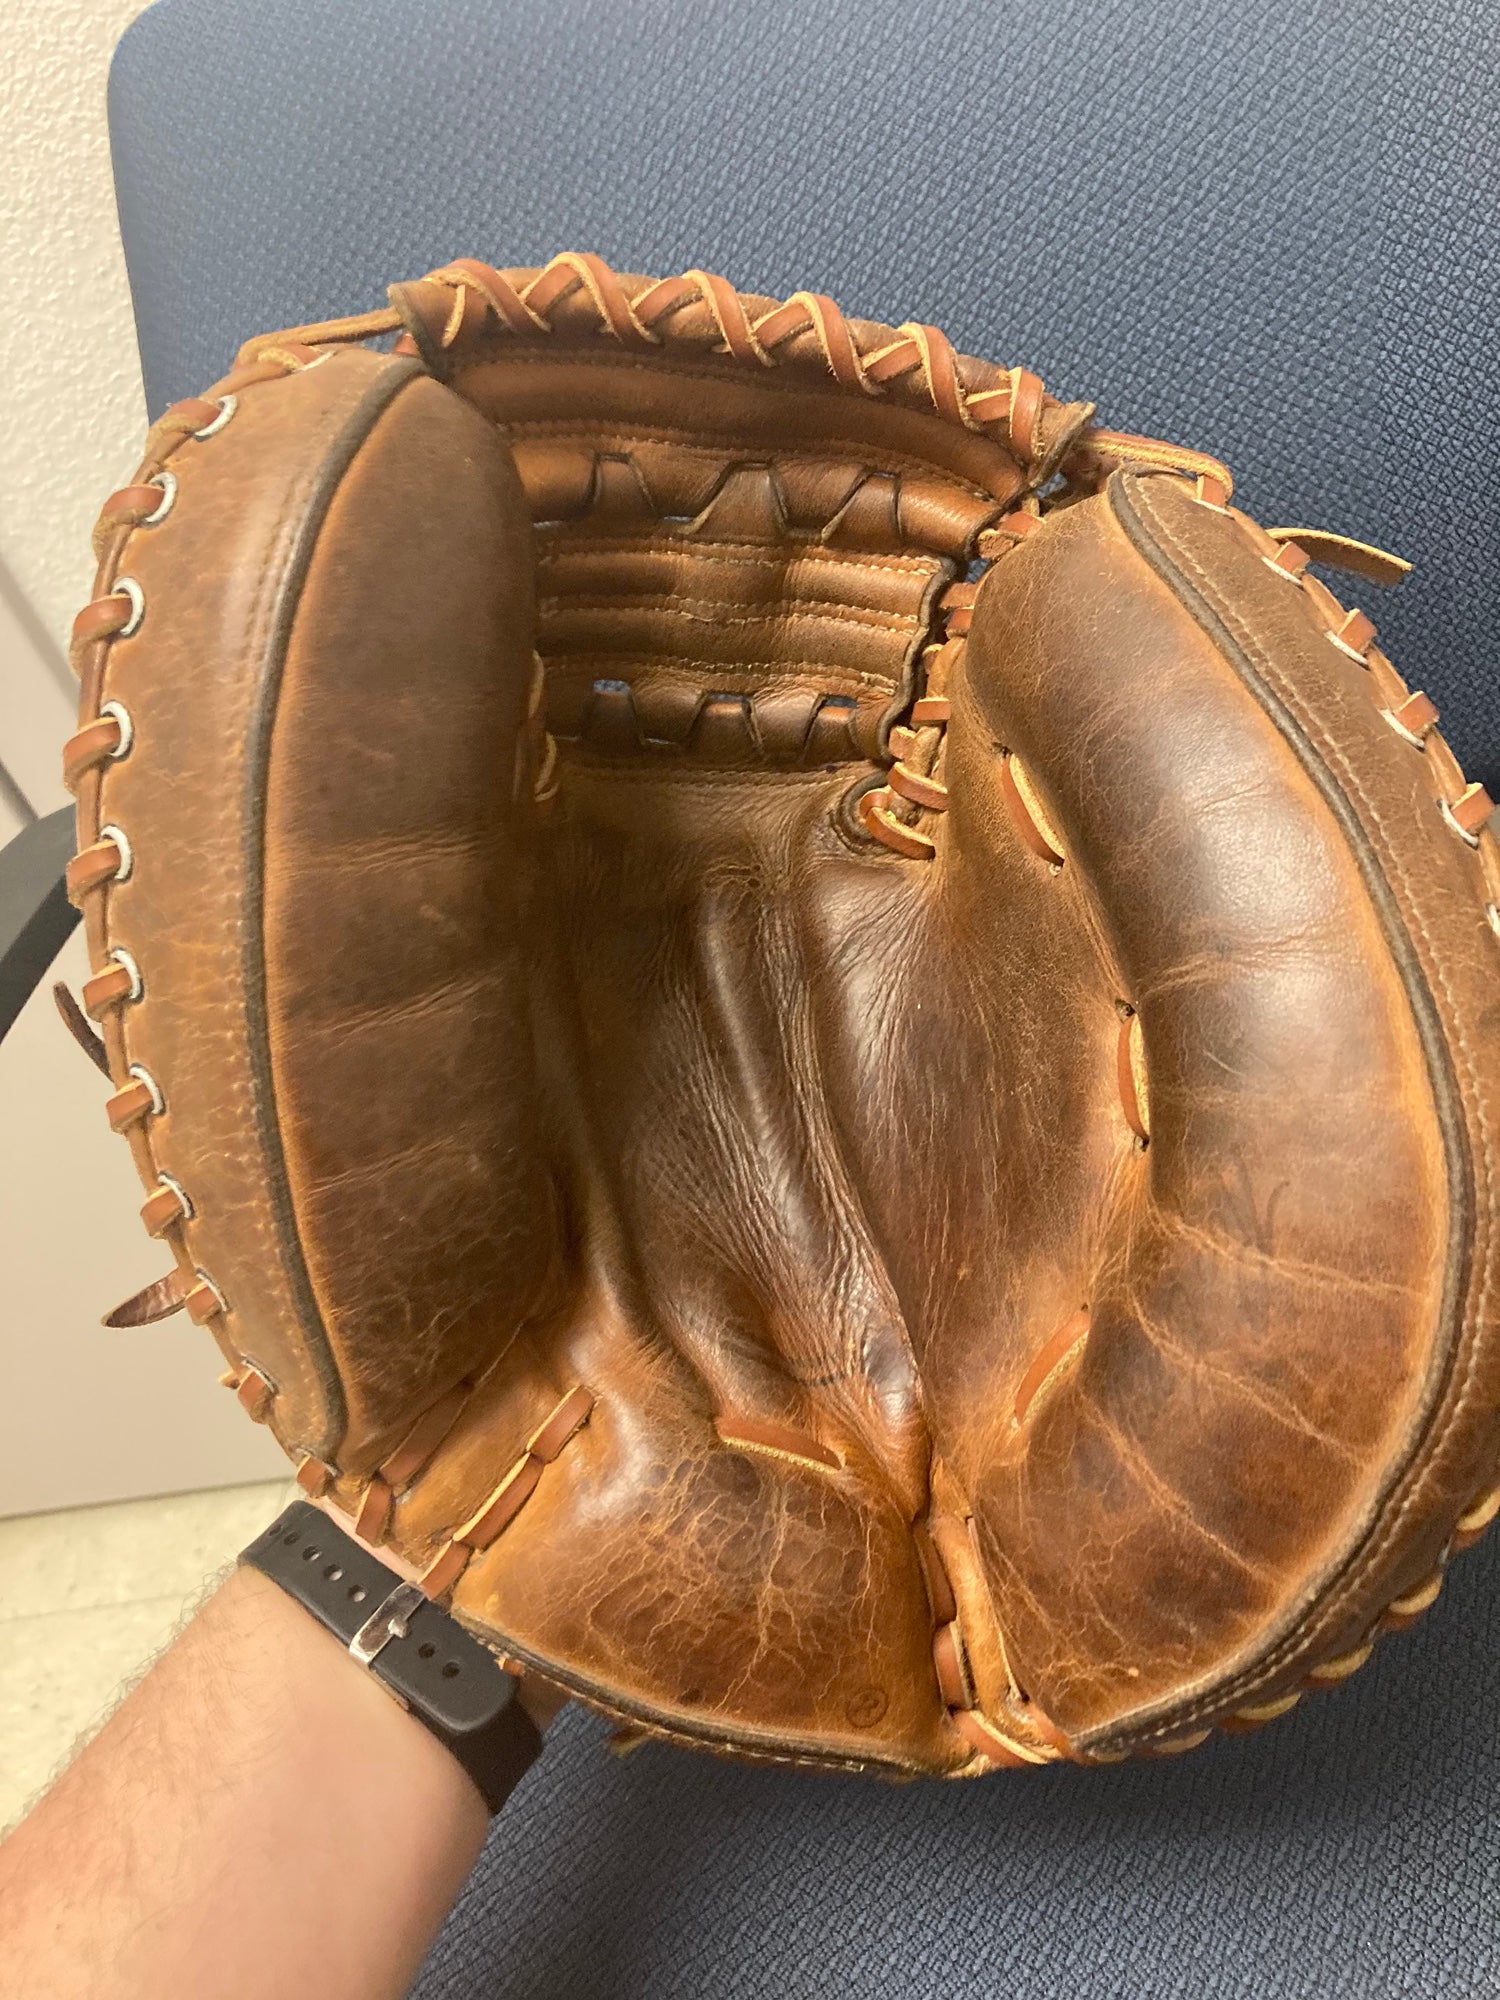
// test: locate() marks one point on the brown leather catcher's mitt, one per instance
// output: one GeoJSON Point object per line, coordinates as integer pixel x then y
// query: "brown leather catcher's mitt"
{"type": "Point", "coordinates": [823, 1038]}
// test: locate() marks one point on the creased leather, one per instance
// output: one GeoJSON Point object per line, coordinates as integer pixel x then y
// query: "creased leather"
{"type": "Point", "coordinates": [600, 1048]}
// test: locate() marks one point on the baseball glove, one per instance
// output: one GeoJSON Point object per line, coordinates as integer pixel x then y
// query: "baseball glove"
{"type": "Point", "coordinates": [823, 1038]}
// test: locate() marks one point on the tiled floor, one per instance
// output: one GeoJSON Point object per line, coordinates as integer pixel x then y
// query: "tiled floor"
{"type": "Point", "coordinates": [89, 1597]}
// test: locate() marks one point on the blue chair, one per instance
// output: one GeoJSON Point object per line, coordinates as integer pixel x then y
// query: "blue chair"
{"type": "Point", "coordinates": [1265, 231]}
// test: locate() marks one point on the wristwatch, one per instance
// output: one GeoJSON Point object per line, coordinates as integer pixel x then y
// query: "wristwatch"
{"type": "Point", "coordinates": [419, 1654]}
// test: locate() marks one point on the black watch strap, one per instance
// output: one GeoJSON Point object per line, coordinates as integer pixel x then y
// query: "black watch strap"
{"type": "Point", "coordinates": [425, 1658]}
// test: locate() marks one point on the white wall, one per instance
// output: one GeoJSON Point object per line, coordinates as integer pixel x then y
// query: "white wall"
{"type": "Point", "coordinates": [84, 1415]}
{"type": "Point", "coordinates": [71, 413]}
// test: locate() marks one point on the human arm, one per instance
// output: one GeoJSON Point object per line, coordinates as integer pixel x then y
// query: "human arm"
{"type": "Point", "coordinates": [258, 1817]}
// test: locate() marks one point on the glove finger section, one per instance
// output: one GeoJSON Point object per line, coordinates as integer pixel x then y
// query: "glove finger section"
{"type": "Point", "coordinates": [1268, 1384]}
{"type": "Point", "coordinates": [749, 591]}
{"type": "Point", "coordinates": [327, 898]}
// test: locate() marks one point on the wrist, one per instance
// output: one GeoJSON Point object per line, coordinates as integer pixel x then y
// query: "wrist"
{"type": "Point", "coordinates": [258, 1811]}
{"type": "Point", "coordinates": [442, 1677]}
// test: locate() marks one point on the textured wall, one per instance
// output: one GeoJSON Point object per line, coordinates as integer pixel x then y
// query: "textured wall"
{"type": "Point", "coordinates": [71, 413]}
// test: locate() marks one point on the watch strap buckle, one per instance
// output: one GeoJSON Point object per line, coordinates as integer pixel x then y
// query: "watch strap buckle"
{"type": "Point", "coordinates": [389, 1620]}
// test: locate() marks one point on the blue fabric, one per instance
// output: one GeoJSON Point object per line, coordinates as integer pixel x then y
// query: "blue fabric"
{"type": "Point", "coordinates": [1348, 1852]}
{"type": "Point", "coordinates": [1264, 230]}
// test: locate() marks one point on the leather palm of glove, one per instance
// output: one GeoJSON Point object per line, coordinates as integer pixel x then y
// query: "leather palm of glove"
{"type": "Point", "coordinates": [822, 1036]}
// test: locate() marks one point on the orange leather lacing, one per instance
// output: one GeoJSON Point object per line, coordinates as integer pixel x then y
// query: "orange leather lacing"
{"type": "Point", "coordinates": [893, 812]}
{"type": "Point", "coordinates": [1025, 1736]}
{"type": "Point", "coordinates": [501, 1506]}
{"type": "Point", "coordinates": [442, 316]}
{"type": "Point", "coordinates": [783, 1441]}
{"type": "Point", "coordinates": [888, 812]}
{"type": "Point", "coordinates": [373, 1503]}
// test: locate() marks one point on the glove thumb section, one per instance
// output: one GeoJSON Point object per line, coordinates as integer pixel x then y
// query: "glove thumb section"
{"type": "Point", "coordinates": [399, 778]}
{"type": "Point", "coordinates": [329, 797]}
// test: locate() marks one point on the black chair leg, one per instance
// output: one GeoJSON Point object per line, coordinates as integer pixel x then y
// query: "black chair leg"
{"type": "Point", "coordinates": [36, 917]}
